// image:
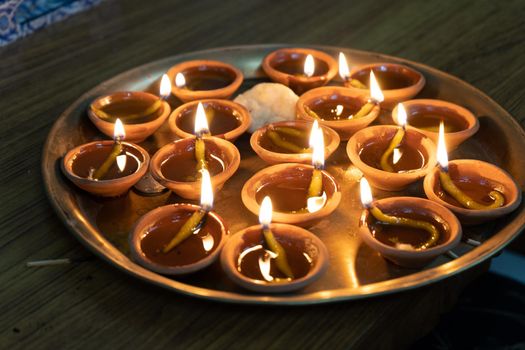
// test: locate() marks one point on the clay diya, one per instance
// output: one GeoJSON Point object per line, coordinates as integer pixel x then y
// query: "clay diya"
{"type": "Point", "coordinates": [426, 115]}
{"type": "Point", "coordinates": [106, 168]}
{"type": "Point", "coordinates": [179, 238]}
{"type": "Point", "coordinates": [177, 165]}
{"type": "Point", "coordinates": [391, 157]}
{"type": "Point", "coordinates": [399, 82]}
{"type": "Point", "coordinates": [273, 258]}
{"type": "Point", "coordinates": [300, 69]}
{"type": "Point", "coordinates": [344, 110]}
{"type": "Point", "coordinates": [408, 231]}
{"type": "Point", "coordinates": [226, 119]}
{"type": "Point", "coordinates": [203, 79]}
{"type": "Point", "coordinates": [142, 112]}
{"type": "Point", "coordinates": [474, 190]}
{"type": "Point", "coordinates": [302, 194]}
{"type": "Point", "coordinates": [288, 142]}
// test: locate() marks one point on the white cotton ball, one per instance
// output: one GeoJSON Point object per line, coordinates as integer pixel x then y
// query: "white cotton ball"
{"type": "Point", "coordinates": [268, 103]}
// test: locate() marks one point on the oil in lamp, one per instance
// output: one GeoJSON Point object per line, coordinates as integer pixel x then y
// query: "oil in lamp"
{"type": "Point", "coordinates": [425, 115]}
{"type": "Point", "coordinates": [302, 194]}
{"type": "Point", "coordinates": [399, 82]}
{"type": "Point", "coordinates": [433, 234]}
{"type": "Point", "coordinates": [273, 257]}
{"type": "Point", "coordinates": [142, 112]}
{"type": "Point", "coordinates": [226, 119]}
{"type": "Point", "coordinates": [288, 142]}
{"type": "Point", "coordinates": [392, 157]}
{"type": "Point", "coordinates": [474, 190]}
{"type": "Point", "coordinates": [177, 165]}
{"type": "Point", "coordinates": [106, 168]}
{"type": "Point", "coordinates": [204, 79]}
{"type": "Point", "coordinates": [300, 69]}
{"type": "Point", "coordinates": [180, 238]}
{"type": "Point", "coordinates": [344, 110]}
{"type": "Point", "coordinates": [198, 217]}
{"type": "Point", "coordinates": [408, 231]}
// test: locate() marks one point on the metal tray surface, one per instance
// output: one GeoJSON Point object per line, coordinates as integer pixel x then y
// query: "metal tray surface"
{"type": "Point", "coordinates": [355, 271]}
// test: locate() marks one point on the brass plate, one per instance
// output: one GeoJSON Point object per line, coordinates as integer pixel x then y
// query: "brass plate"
{"type": "Point", "coordinates": [355, 270]}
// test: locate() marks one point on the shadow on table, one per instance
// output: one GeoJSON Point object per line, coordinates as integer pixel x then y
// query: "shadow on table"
{"type": "Point", "coordinates": [490, 314]}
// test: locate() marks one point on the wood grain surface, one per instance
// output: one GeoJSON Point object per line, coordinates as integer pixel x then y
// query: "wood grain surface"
{"type": "Point", "coordinates": [91, 305]}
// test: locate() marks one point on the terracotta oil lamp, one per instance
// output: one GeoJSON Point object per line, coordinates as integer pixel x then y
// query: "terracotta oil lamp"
{"type": "Point", "coordinates": [288, 142]}
{"type": "Point", "coordinates": [204, 79]}
{"type": "Point", "coordinates": [302, 194]}
{"type": "Point", "coordinates": [475, 191]}
{"type": "Point", "coordinates": [425, 116]}
{"type": "Point", "coordinates": [392, 157]}
{"type": "Point", "coordinates": [344, 110]}
{"type": "Point", "coordinates": [300, 69]}
{"type": "Point", "coordinates": [408, 231]}
{"type": "Point", "coordinates": [142, 112]}
{"type": "Point", "coordinates": [106, 168]}
{"type": "Point", "coordinates": [177, 164]}
{"type": "Point", "coordinates": [226, 119]}
{"type": "Point", "coordinates": [179, 239]}
{"type": "Point", "coordinates": [399, 82]}
{"type": "Point", "coordinates": [273, 258]}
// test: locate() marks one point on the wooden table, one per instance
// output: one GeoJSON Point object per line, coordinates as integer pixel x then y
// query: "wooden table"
{"type": "Point", "coordinates": [92, 305]}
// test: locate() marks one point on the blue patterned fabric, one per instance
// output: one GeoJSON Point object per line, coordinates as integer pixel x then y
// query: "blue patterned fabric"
{"type": "Point", "coordinates": [19, 18]}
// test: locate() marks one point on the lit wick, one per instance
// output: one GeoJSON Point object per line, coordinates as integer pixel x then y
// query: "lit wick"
{"type": "Point", "coordinates": [198, 218]}
{"type": "Point", "coordinates": [180, 81]}
{"type": "Point", "coordinates": [118, 135]}
{"type": "Point", "coordinates": [316, 196]}
{"type": "Point", "coordinates": [376, 97]}
{"type": "Point", "coordinates": [450, 187]}
{"type": "Point", "coordinates": [367, 200]}
{"type": "Point", "coordinates": [317, 145]}
{"type": "Point", "coordinates": [165, 87]}
{"type": "Point", "coordinates": [344, 73]}
{"type": "Point", "coordinates": [201, 129]}
{"type": "Point", "coordinates": [396, 140]}
{"type": "Point", "coordinates": [265, 218]}
{"type": "Point", "coordinates": [309, 66]}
